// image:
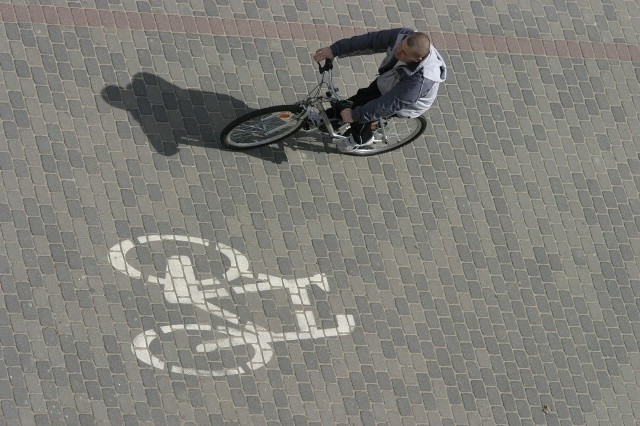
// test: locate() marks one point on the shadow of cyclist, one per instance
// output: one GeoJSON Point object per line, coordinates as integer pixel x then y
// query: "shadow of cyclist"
{"type": "Point", "coordinates": [170, 116]}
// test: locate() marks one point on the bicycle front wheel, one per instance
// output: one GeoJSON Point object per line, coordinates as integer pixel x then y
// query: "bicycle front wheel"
{"type": "Point", "coordinates": [263, 127]}
{"type": "Point", "coordinates": [393, 133]}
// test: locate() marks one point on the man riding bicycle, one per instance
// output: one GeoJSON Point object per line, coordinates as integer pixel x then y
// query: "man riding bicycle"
{"type": "Point", "coordinates": [406, 86]}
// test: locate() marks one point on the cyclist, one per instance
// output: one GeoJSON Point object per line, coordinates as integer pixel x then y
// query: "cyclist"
{"type": "Point", "coordinates": [406, 86]}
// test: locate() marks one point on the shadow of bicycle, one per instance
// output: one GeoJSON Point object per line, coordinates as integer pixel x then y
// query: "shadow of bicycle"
{"type": "Point", "coordinates": [171, 116]}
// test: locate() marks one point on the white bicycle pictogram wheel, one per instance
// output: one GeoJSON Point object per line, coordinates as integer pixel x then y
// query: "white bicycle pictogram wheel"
{"type": "Point", "coordinates": [142, 348]}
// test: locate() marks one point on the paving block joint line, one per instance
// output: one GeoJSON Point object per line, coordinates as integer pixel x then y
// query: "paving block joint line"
{"type": "Point", "coordinates": [486, 273]}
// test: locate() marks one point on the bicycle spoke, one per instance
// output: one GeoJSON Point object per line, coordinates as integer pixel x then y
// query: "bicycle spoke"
{"type": "Point", "coordinates": [392, 133]}
{"type": "Point", "coordinates": [263, 127]}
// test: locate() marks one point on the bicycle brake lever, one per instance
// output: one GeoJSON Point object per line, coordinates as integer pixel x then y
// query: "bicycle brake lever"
{"type": "Point", "coordinates": [328, 65]}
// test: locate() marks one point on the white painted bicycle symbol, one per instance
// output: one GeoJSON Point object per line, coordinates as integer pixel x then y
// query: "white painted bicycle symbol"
{"type": "Point", "coordinates": [180, 286]}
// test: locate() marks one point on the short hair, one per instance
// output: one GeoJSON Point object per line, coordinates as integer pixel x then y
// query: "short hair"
{"type": "Point", "coordinates": [419, 43]}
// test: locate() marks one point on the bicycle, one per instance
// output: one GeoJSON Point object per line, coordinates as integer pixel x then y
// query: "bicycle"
{"type": "Point", "coordinates": [181, 286]}
{"type": "Point", "coordinates": [272, 124]}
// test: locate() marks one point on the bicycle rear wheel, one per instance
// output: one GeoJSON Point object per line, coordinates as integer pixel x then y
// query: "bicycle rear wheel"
{"type": "Point", "coordinates": [394, 132]}
{"type": "Point", "coordinates": [263, 127]}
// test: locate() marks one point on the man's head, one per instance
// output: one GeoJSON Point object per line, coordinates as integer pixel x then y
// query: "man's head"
{"type": "Point", "coordinates": [413, 48]}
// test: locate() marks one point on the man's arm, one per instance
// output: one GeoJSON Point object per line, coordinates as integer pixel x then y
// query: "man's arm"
{"type": "Point", "coordinates": [373, 42]}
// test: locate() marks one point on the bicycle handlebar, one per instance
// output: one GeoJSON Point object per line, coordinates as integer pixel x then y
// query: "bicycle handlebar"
{"type": "Point", "coordinates": [328, 65]}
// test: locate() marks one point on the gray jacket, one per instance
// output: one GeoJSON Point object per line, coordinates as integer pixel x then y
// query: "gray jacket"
{"type": "Point", "coordinates": [408, 90]}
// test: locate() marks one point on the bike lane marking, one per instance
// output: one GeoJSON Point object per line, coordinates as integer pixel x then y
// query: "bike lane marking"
{"type": "Point", "coordinates": [180, 286]}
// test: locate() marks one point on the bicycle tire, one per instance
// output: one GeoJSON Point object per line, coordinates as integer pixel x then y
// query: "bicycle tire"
{"type": "Point", "coordinates": [285, 119]}
{"type": "Point", "coordinates": [417, 124]}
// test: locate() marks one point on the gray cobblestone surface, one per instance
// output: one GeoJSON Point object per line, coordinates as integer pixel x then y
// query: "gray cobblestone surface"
{"type": "Point", "coordinates": [492, 266]}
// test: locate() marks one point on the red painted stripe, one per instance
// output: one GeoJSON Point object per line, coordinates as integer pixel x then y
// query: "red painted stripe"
{"type": "Point", "coordinates": [86, 17]}
{"type": "Point", "coordinates": [7, 13]}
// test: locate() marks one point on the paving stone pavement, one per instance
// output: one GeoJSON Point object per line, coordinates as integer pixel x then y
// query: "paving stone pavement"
{"type": "Point", "coordinates": [488, 273]}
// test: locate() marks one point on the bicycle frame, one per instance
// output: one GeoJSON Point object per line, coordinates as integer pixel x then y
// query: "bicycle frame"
{"type": "Point", "coordinates": [317, 100]}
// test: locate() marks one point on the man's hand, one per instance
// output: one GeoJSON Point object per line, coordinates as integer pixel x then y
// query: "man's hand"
{"type": "Point", "coordinates": [346, 115]}
{"type": "Point", "coordinates": [322, 54]}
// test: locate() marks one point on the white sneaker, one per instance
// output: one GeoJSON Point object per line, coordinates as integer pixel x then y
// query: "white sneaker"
{"type": "Point", "coordinates": [350, 145]}
{"type": "Point", "coordinates": [314, 119]}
